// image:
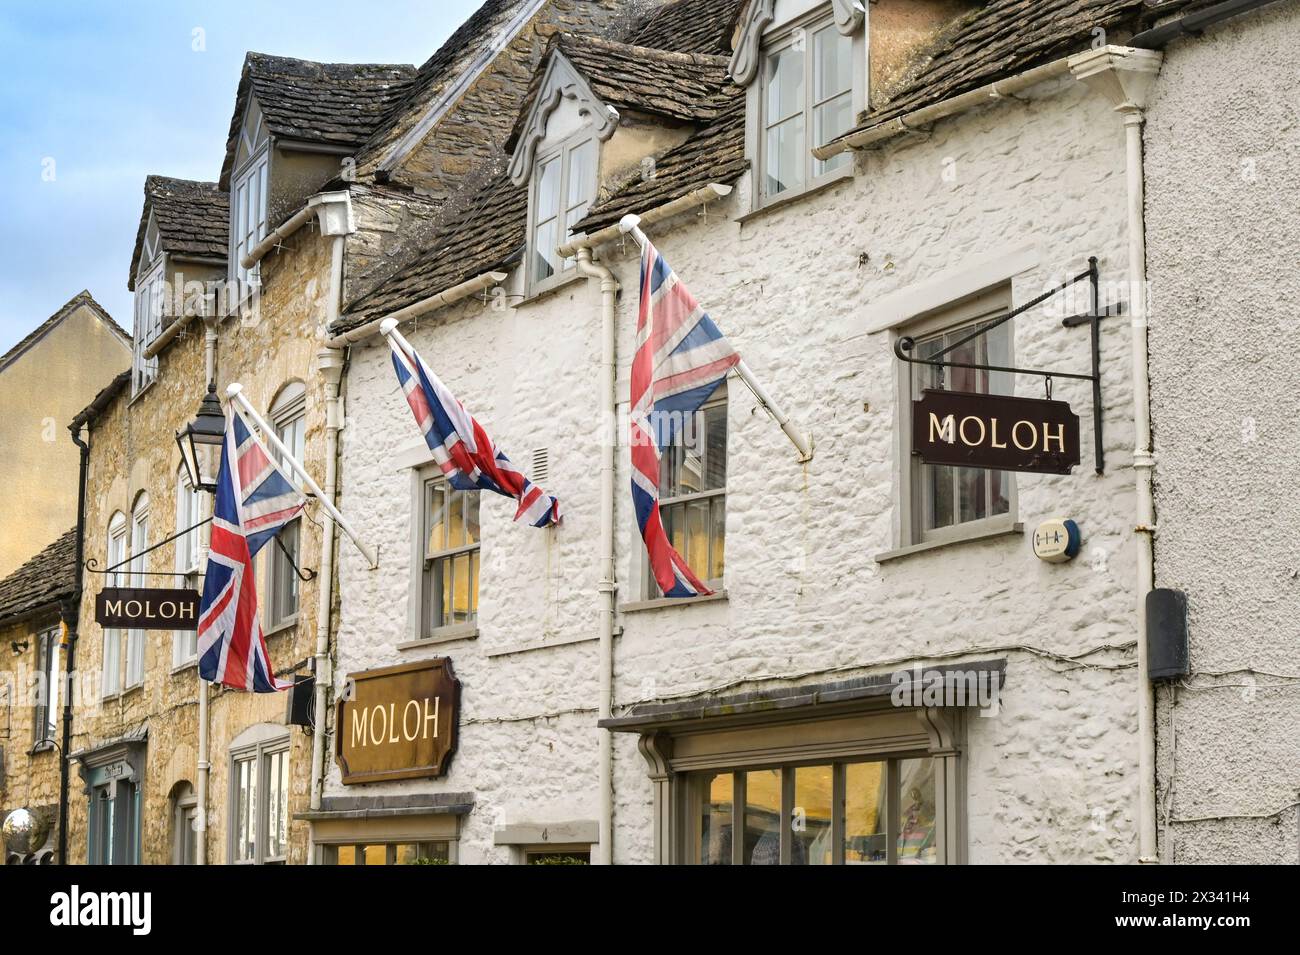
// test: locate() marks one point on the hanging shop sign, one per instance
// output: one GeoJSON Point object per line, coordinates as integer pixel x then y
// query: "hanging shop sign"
{"type": "Point", "coordinates": [398, 722]}
{"type": "Point", "coordinates": [1001, 432]}
{"type": "Point", "coordinates": [141, 608]}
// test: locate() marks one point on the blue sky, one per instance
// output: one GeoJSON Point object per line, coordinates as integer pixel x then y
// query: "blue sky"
{"type": "Point", "coordinates": [97, 96]}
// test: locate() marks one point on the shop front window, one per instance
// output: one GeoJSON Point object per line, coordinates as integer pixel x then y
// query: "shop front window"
{"type": "Point", "coordinates": [879, 812]}
{"type": "Point", "coordinates": [389, 853]}
{"type": "Point", "coordinates": [259, 803]}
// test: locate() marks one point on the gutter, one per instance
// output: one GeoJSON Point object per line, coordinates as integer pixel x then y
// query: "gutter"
{"type": "Point", "coordinates": [441, 300]}
{"type": "Point", "coordinates": [334, 209]}
{"type": "Point", "coordinates": [70, 613]}
{"type": "Point", "coordinates": [1192, 24]}
{"type": "Point", "coordinates": [908, 122]}
{"type": "Point", "coordinates": [692, 200]}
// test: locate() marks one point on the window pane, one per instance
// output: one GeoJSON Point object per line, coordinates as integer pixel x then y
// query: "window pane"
{"type": "Point", "coordinates": [916, 844]}
{"type": "Point", "coordinates": [715, 818]}
{"type": "Point", "coordinates": [471, 516]}
{"type": "Point", "coordinates": [785, 93]}
{"type": "Point", "coordinates": [448, 578]}
{"type": "Point", "coordinates": [545, 259]}
{"type": "Point", "coordinates": [763, 817]}
{"type": "Point", "coordinates": [811, 822]}
{"type": "Point", "coordinates": [473, 584]}
{"type": "Point", "coordinates": [832, 64]}
{"type": "Point", "coordinates": [376, 855]}
{"type": "Point", "coordinates": [715, 457]}
{"type": "Point", "coordinates": [865, 839]}
{"type": "Point", "coordinates": [346, 855]}
{"type": "Point", "coordinates": [830, 120]}
{"type": "Point", "coordinates": [436, 520]}
{"type": "Point", "coordinates": [697, 543]}
{"type": "Point", "coordinates": [718, 539]}
{"type": "Point", "coordinates": [785, 156]}
{"type": "Point", "coordinates": [582, 171]}
{"type": "Point", "coordinates": [456, 520]}
{"type": "Point", "coordinates": [461, 596]}
{"type": "Point", "coordinates": [548, 190]}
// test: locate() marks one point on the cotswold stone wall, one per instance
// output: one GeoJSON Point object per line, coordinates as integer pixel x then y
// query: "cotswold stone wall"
{"type": "Point", "coordinates": [1052, 777]}
{"type": "Point", "coordinates": [134, 451]}
{"type": "Point", "coordinates": [1222, 199]}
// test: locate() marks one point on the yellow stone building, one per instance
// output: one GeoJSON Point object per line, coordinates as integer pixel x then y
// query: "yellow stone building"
{"type": "Point", "coordinates": [44, 380]}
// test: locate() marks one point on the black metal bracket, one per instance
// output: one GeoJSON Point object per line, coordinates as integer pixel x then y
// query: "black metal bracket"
{"type": "Point", "coordinates": [904, 345]}
{"type": "Point", "coordinates": [92, 565]}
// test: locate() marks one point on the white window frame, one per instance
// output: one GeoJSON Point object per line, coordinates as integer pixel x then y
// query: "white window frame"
{"type": "Point", "coordinates": [49, 658]}
{"type": "Point", "coordinates": [567, 212]}
{"type": "Point", "coordinates": [817, 173]}
{"type": "Point", "coordinates": [649, 587]}
{"type": "Point", "coordinates": [190, 509]}
{"type": "Point", "coordinates": [425, 482]}
{"type": "Point", "coordinates": [136, 638]}
{"type": "Point", "coordinates": [111, 666]}
{"type": "Point", "coordinates": [288, 418]}
{"type": "Point", "coordinates": [267, 742]}
{"type": "Point", "coordinates": [249, 185]}
{"type": "Point", "coordinates": [965, 314]}
{"type": "Point", "coordinates": [150, 306]}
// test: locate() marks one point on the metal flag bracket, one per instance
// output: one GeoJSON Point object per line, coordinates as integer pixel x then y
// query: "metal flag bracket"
{"type": "Point", "coordinates": [904, 345]}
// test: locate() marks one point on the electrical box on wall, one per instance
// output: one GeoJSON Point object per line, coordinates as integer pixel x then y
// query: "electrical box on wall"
{"type": "Point", "coordinates": [1168, 652]}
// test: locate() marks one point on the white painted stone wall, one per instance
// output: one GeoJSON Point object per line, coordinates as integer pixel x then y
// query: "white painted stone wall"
{"type": "Point", "coordinates": [1223, 201]}
{"type": "Point", "coordinates": [1052, 777]}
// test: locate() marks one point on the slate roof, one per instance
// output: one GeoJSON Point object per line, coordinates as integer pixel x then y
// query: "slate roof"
{"type": "Point", "coordinates": [1006, 37]}
{"type": "Point", "coordinates": [682, 86]}
{"type": "Point", "coordinates": [714, 154]}
{"type": "Point", "coordinates": [193, 219]}
{"type": "Point", "coordinates": [45, 579]}
{"type": "Point", "coordinates": [81, 298]}
{"type": "Point", "coordinates": [482, 234]}
{"type": "Point", "coordinates": [335, 104]}
{"type": "Point", "coordinates": [690, 26]}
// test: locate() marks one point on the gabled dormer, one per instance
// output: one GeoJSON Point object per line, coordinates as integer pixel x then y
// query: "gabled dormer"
{"type": "Point", "coordinates": [596, 115]}
{"type": "Point", "coordinates": [179, 257]}
{"type": "Point", "coordinates": [296, 127]}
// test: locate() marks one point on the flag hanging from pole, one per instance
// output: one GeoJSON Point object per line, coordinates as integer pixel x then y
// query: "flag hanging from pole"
{"type": "Point", "coordinates": [460, 446]}
{"type": "Point", "coordinates": [681, 358]}
{"type": "Point", "coordinates": [254, 500]}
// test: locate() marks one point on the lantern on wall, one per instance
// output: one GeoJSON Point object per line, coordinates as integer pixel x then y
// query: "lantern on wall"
{"type": "Point", "coordinates": [199, 440]}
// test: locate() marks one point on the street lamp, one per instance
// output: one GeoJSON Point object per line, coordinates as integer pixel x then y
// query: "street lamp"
{"type": "Point", "coordinates": [207, 430]}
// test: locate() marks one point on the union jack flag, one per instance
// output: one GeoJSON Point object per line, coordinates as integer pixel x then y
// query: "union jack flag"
{"type": "Point", "coordinates": [681, 358]}
{"type": "Point", "coordinates": [460, 446]}
{"type": "Point", "coordinates": [254, 500]}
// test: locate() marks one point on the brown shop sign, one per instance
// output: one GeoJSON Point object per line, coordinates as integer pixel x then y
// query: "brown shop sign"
{"type": "Point", "coordinates": [398, 722]}
{"type": "Point", "coordinates": [1001, 432]}
{"type": "Point", "coordinates": [147, 609]}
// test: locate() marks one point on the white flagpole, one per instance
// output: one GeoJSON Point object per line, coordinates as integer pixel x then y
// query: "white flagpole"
{"type": "Point", "coordinates": [630, 225]}
{"type": "Point", "coordinates": [235, 392]}
{"type": "Point", "coordinates": [388, 328]}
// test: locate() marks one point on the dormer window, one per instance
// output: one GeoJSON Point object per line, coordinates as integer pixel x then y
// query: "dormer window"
{"type": "Point", "coordinates": [807, 82]}
{"type": "Point", "coordinates": [564, 186]}
{"type": "Point", "coordinates": [150, 300]}
{"type": "Point", "coordinates": [248, 192]}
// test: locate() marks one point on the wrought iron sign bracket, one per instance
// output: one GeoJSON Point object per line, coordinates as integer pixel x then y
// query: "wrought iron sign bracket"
{"type": "Point", "coordinates": [904, 346]}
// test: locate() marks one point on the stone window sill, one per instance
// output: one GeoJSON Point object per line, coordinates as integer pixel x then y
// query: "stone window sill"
{"type": "Point", "coordinates": [467, 631]}
{"type": "Point", "coordinates": [762, 207]}
{"type": "Point", "coordinates": [1009, 529]}
{"type": "Point", "coordinates": [663, 603]}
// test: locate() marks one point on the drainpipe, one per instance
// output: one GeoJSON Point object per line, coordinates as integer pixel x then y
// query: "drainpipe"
{"type": "Point", "coordinates": [1125, 76]}
{"type": "Point", "coordinates": [205, 540]}
{"type": "Point", "coordinates": [70, 613]}
{"type": "Point", "coordinates": [607, 586]}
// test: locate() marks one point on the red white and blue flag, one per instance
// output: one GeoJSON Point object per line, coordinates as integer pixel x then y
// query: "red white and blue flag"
{"type": "Point", "coordinates": [254, 500]}
{"type": "Point", "coordinates": [681, 358]}
{"type": "Point", "coordinates": [460, 446]}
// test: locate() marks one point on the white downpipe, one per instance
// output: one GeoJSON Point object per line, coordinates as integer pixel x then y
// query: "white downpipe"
{"type": "Point", "coordinates": [205, 539]}
{"type": "Point", "coordinates": [330, 364]}
{"type": "Point", "coordinates": [607, 587]}
{"type": "Point", "coordinates": [1143, 464]}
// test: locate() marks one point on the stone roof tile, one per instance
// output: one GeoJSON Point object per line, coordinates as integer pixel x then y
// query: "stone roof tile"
{"type": "Point", "coordinates": [690, 26]}
{"type": "Point", "coordinates": [43, 580]}
{"type": "Point", "coordinates": [193, 219]}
